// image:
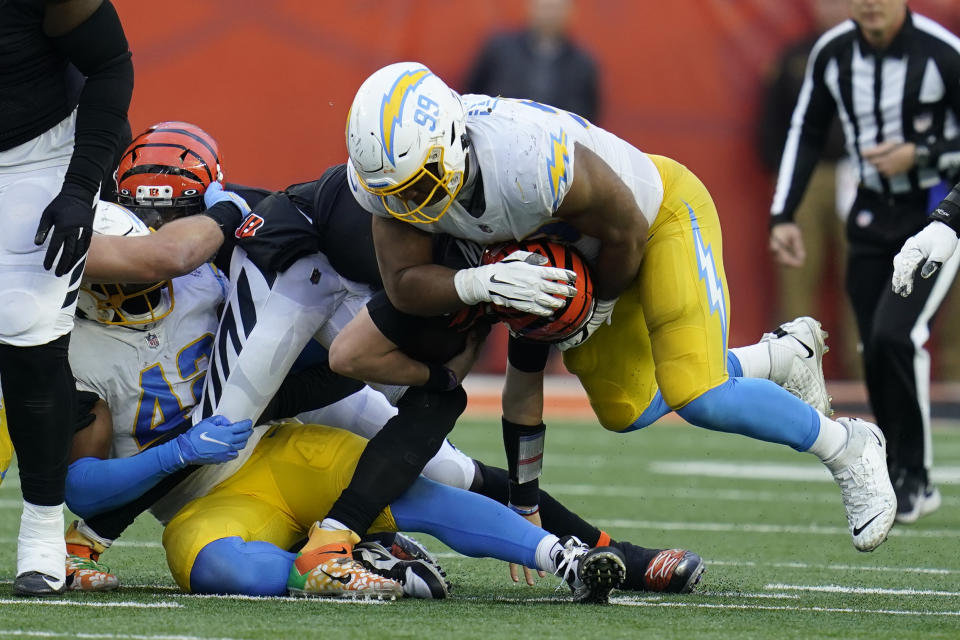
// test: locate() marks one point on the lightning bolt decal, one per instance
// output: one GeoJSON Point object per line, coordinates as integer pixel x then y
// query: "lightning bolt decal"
{"type": "Point", "coordinates": [392, 106]}
{"type": "Point", "coordinates": [708, 273]}
{"type": "Point", "coordinates": [557, 165]}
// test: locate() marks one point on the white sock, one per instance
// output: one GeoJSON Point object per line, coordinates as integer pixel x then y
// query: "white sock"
{"type": "Point", "coordinates": [333, 525]}
{"type": "Point", "coordinates": [754, 360]}
{"type": "Point", "coordinates": [547, 550]}
{"type": "Point", "coordinates": [83, 528]}
{"type": "Point", "coordinates": [831, 440]}
{"type": "Point", "coordinates": [40, 545]}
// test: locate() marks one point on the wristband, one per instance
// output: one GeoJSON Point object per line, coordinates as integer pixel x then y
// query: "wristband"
{"type": "Point", "coordinates": [441, 378]}
{"type": "Point", "coordinates": [527, 356]}
{"type": "Point", "coordinates": [948, 211]}
{"type": "Point", "coordinates": [524, 448]}
{"type": "Point", "coordinates": [522, 511]}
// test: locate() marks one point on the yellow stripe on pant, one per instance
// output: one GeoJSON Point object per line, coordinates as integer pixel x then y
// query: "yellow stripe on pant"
{"type": "Point", "coordinates": [669, 328]}
{"type": "Point", "coordinates": [6, 446]}
{"type": "Point", "coordinates": [292, 479]}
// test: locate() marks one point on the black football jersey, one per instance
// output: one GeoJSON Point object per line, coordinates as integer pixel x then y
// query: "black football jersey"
{"type": "Point", "coordinates": [38, 86]}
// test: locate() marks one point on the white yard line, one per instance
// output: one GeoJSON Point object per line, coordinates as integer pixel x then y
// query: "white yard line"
{"type": "Point", "coordinates": [836, 567]}
{"type": "Point", "coordinates": [744, 469]}
{"type": "Point", "coordinates": [23, 633]}
{"type": "Point", "coordinates": [728, 527]}
{"type": "Point", "coordinates": [760, 607]}
{"type": "Point", "coordinates": [833, 588]}
{"type": "Point", "coordinates": [84, 603]}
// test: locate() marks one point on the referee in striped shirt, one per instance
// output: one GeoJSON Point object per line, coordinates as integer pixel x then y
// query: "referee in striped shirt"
{"type": "Point", "coordinates": [893, 77]}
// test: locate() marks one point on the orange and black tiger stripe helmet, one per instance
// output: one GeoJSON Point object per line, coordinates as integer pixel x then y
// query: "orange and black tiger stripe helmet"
{"type": "Point", "coordinates": [566, 320]}
{"type": "Point", "coordinates": [165, 170]}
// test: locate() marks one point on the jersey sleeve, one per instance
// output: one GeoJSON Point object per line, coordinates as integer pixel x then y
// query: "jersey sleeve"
{"type": "Point", "coordinates": [552, 165]}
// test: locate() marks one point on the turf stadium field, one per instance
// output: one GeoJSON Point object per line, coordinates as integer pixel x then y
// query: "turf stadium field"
{"type": "Point", "coordinates": [768, 521]}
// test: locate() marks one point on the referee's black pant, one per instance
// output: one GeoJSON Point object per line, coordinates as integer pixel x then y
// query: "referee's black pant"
{"type": "Point", "coordinates": [893, 329]}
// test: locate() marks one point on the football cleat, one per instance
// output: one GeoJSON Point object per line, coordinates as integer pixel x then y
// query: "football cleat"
{"type": "Point", "coordinates": [915, 498]}
{"type": "Point", "coordinates": [34, 583]}
{"type": "Point", "coordinates": [800, 372]}
{"type": "Point", "coordinates": [84, 571]}
{"type": "Point", "coordinates": [403, 547]}
{"type": "Point", "coordinates": [660, 570]}
{"type": "Point", "coordinates": [330, 571]}
{"type": "Point", "coordinates": [420, 579]}
{"type": "Point", "coordinates": [591, 574]}
{"type": "Point", "coordinates": [673, 571]}
{"type": "Point", "coordinates": [861, 471]}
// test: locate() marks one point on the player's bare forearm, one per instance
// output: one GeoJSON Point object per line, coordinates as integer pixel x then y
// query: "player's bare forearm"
{"type": "Point", "coordinates": [94, 441]}
{"type": "Point", "coordinates": [360, 351]}
{"type": "Point", "coordinates": [176, 249]}
{"type": "Point", "coordinates": [522, 397]}
{"type": "Point", "coordinates": [413, 283]}
{"type": "Point", "coordinates": [599, 204]}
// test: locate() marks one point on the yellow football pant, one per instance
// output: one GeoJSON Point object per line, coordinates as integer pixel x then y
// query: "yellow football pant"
{"type": "Point", "coordinates": [669, 328]}
{"type": "Point", "coordinates": [292, 479]}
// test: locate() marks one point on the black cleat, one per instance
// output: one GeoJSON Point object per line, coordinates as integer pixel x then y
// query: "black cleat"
{"type": "Point", "coordinates": [34, 583]}
{"type": "Point", "coordinates": [419, 578]}
{"type": "Point", "coordinates": [673, 571]}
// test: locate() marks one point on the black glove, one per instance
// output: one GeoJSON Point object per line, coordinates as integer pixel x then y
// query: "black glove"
{"type": "Point", "coordinates": [70, 214]}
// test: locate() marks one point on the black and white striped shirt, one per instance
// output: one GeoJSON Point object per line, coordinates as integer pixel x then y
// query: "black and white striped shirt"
{"type": "Point", "coordinates": [908, 93]}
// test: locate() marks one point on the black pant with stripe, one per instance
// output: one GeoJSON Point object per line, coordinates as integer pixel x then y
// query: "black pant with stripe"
{"type": "Point", "coordinates": [893, 329]}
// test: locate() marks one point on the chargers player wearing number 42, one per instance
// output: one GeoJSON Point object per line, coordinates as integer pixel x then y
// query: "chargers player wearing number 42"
{"type": "Point", "coordinates": [425, 160]}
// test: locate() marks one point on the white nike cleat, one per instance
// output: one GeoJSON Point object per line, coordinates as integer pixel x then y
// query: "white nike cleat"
{"type": "Point", "coordinates": [797, 365]}
{"type": "Point", "coordinates": [861, 471]}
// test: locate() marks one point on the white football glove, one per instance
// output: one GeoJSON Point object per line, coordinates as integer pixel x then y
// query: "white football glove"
{"type": "Point", "coordinates": [519, 281]}
{"type": "Point", "coordinates": [602, 311]}
{"type": "Point", "coordinates": [933, 246]}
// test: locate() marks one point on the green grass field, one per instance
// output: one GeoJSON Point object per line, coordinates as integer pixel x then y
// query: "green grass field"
{"type": "Point", "coordinates": [768, 521]}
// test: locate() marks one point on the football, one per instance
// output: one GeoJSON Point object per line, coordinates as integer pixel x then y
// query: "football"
{"type": "Point", "coordinates": [566, 320]}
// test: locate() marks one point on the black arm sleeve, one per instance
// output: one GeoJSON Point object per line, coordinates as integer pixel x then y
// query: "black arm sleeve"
{"type": "Point", "coordinates": [98, 48]}
{"type": "Point", "coordinates": [948, 211]}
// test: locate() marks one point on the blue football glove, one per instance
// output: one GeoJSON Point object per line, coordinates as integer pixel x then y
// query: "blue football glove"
{"type": "Point", "coordinates": [215, 193]}
{"type": "Point", "coordinates": [213, 440]}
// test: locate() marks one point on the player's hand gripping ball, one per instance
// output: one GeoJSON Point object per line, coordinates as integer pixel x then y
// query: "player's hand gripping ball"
{"type": "Point", "coordinates": [566, 320]}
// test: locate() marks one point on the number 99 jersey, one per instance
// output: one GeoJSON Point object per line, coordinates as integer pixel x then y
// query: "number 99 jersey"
{"type": "Point", "coordinates": [525, 154]}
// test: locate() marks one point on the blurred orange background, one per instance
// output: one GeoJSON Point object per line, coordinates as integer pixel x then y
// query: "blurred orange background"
{"type": "Point", "coordinates": [272, 81]}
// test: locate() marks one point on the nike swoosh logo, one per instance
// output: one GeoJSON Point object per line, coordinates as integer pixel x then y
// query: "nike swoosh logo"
{"type": "Point", "coordinates": [858, 530]}
{"type": "Point", "coordinates": [809, 350]}
{"type": "Point", "coordinates": [496, 280]}
{"type": "Point", "coordinates": [54, 584]}
{"type": "Point", "coordinates": [206, 438]}
{"type": "Point", "coordinates": [341, 551]}
{"type": "Point", "coordinates": [344, 580]}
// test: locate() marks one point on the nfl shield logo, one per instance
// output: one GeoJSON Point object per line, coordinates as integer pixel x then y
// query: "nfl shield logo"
{"type": "Point", "coordinates": [153, 341]}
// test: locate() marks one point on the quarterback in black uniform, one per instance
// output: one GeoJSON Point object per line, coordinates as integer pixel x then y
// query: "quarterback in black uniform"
{"type": "Point", "coordinates": [66, 79]}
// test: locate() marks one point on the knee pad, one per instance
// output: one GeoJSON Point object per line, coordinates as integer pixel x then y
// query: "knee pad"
{"type": "Point", "coordinates": [451, 467]}
{"type": "Point", "coordinates": [20, 312]}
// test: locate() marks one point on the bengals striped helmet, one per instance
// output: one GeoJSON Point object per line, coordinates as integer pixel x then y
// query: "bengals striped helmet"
{"type": "Point", "coordinates": [165, 170]}
{"type": "Point", "coordinates": [566, 320]}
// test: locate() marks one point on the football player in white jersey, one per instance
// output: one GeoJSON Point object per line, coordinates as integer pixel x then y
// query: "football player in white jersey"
{"type": "Point", "coordinates": [425, 160]}
{"type": "Point", "coordinates": [159, 176]}
{"type": "Point", "coordinates": [66, 79]}
{"type": "Point", "coordinates": [159, 338]}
